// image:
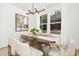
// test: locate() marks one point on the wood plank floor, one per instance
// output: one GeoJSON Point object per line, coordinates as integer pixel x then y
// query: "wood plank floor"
{"type": "Point", "coordinates": [4, 51]}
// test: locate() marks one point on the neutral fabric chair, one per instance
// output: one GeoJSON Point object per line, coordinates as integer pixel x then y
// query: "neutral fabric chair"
{"type": "Point", "coordinates": [54, 50]}
{"type": "Point", "coordinates": [12, 46]}
{"type": "Point", "coordinates": [23, 49]}
{"type": "Point", "coordinates": [66, 49]}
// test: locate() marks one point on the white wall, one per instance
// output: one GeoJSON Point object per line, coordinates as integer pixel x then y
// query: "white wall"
{"type": "Point", "coordinates": [7, 23]}
{"type": "Point", "coordinates": [49, 12]}
{"type": "Point", "coordinates": [32, 21]}
{"type": "Point", "coordinates": [70, 22]}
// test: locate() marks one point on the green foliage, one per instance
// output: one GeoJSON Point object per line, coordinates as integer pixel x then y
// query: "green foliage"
{"type": "Point", "coordinates": [34, 31]}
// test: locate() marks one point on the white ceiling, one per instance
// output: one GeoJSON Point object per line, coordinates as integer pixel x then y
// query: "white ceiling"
{"type": "Point", "coordinates": [25, 6]}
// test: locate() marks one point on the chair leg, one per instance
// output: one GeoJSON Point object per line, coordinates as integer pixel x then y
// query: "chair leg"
{"type": "Point", "coordinates": [58, 47]}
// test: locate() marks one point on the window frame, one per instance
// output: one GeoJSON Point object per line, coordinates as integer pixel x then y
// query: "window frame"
{"type": "Point", "coordinates": [48, 23]}
{"type": "Point", "coordinates": [42, 24]}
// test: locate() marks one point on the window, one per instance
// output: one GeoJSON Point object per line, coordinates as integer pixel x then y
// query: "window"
{"type": "Point", "coordinates": [43, 23]}
{"type": "Point", "coordinates": [55, 23]}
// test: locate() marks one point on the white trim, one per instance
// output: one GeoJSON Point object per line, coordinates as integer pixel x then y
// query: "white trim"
{"type": "Point", "coordinates": [55, 23]}
{"type": "Point", "coordinates": [48, 23]}
{"type": "Point", "coordinates": [50, 12]}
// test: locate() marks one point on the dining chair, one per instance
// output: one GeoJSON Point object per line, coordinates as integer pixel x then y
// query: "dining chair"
{"type": "Point", "coordinates": [23, 49]}
{"type": "Point", "coordinates": [67, 48]}
{"type": "Point", "coordinates": [54, 50]}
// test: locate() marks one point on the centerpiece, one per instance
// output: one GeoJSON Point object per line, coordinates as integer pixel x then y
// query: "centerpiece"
{"type": "Point", "coordinates": [34, 31]}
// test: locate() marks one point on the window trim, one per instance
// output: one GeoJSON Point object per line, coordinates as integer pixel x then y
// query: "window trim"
{"type": "Point", "coordinates": [48, 24]}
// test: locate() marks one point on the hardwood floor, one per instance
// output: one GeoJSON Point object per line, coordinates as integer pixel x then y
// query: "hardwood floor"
{"type": "Point", "coordinates": [77, 52]}
{"type": "Point", "coordinates": [4, 51]}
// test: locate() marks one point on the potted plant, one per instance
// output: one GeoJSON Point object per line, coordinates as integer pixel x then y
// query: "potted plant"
{"type": "Point", "coordinates": [34, 31]}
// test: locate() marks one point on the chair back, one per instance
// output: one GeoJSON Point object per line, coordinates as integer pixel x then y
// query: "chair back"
{"type": "Point", "coordinates": [67, 44]}
{"type": "Point", "coordinates": [12, 46]}
{"type": "Point", "coordinates": [22, 49]}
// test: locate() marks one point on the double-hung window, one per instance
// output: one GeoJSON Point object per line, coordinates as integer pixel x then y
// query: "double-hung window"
{"type": "Point", "coordinates": [54, 26]}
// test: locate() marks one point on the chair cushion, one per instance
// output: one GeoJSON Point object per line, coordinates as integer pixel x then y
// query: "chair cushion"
{"type": "Point", "coordinates": [35, 52]}
{"type": "Point", "coordinates": [54, 52]}
{"type": "Point", "coordinates": [22, 49]}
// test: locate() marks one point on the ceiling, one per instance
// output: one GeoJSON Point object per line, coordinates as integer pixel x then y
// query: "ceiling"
{"type": "Point", "coordinates": [26, 6]}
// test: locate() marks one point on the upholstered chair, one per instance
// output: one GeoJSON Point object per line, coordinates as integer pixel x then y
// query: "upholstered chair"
{"type": "Point", "coordinates": [23, 49]}
{"type": "Point", "coordinates": [67, 48]}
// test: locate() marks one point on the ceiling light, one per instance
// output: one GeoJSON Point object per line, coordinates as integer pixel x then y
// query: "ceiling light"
{"type": "Point", "coordinates": [34, 10]}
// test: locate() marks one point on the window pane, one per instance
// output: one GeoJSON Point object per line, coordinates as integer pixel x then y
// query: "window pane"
{"type": "Point", "coordinates": [56, 17]}
{"type": "Point", "coordinates": [43, 19]}
{"type": "Point", "coordinates": [55, 28]}
{"type": "Point", "coordinates": [55, 23]}
{"type": "Point", "coordinates": [43, 28]}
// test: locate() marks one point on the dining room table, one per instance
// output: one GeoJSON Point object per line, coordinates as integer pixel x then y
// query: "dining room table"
{"type": "Point", "coordinates": [41, 42]}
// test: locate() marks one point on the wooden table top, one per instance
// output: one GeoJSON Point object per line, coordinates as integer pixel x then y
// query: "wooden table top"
{"type": "Point", "coordinates": [40, 38]}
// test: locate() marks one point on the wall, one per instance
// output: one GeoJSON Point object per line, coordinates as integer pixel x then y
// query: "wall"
{"type": "Point", "coordinates": [32, 21]}
{"type": "Point", "coordinates": [7, 23]}
{"type": "Point", "coordinates": [70, 22]}
{"type": "Point", "coordinates": [48, 11]}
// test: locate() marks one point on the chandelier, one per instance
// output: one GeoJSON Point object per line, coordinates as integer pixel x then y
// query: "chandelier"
{"type": "Point", "coordinates": [34, 10]}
